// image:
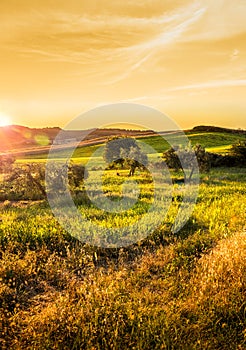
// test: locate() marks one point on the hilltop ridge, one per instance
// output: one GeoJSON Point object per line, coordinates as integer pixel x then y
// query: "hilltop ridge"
{"type": "Point", "coordinates": [210, 128]}
{"type": "Point", "coordinates": [17, 137]}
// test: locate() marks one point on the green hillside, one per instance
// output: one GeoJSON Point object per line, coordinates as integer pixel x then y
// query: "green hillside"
{"type": "Point", "coordinates": [212, 141]}
{"type": "Point", "coordinates": [218, 142]}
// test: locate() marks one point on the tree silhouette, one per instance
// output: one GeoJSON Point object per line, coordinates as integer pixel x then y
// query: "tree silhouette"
{"type": "Point", "coordinates": [183, 158]}
{"type": "Point", "coordinates": [124, 151]}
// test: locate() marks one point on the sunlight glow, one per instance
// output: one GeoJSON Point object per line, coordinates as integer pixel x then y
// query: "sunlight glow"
{"type": "Point", "coordinates": [4, 120]}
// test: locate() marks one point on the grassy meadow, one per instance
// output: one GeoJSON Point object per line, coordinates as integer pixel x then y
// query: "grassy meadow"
{"type": "Point", "coordinates": [184, 290]}
{"type": "Point", "coordinates": [219, 142]}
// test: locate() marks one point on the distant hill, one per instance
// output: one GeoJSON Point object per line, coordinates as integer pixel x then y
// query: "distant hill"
{"type": "Point", "coordinates": [16, 137]}
{"type": "Point", "coordinates": [209, 128]}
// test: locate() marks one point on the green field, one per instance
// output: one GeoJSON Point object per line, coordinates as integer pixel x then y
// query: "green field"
{"type": "Point", "coordinates": [183, 290]}
{"type": "Point", "coordinates": [213, 142]}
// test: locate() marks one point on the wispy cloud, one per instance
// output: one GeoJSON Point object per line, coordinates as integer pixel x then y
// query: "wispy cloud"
{"type": "Point", "coordinates": [146, 51]}
{"type": "Point", "coordinates": [150, 98]}
{"type": "Point", "coordinates": [224, 19]}
{"type": "Point", "coordinates": [122, 45]}
{"type": "Point", "coordinates": [211, 84]}
{"type": "Point", "coordinates": [135, 56]}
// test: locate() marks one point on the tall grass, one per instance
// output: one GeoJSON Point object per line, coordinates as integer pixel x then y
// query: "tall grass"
{"type": "Point", "coordinates": [171, 291]}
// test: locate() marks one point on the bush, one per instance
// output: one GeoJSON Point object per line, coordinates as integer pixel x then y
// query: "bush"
{"type": "Point", "coordinates": [237, 156]}
{"type": "Point", "coordinates": [6, 164]}
{"type": "Point", "coordinates": [239, 150]}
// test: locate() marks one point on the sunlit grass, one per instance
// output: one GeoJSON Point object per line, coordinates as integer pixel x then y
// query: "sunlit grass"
{"type": "Point", "coordinates": [171, 291]}
{"type": "Point", "coordinates": [219, 149]}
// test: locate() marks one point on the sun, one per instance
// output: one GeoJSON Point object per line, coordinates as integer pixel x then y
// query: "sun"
{"type": "Point", "coordinates": [4, 120]}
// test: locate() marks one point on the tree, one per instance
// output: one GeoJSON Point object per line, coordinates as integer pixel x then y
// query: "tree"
{"type": "Point", "coordinates": [179, 158]}
{"type": "Point", "coordinates": [124, 151]}
{"type": "Point", "coordinates": [134, 158]}
{"type": "Point", "coordinates": [60, 177]}
{"type": "Point", "coordinates": [171, 158]}
{"type": "Point", "coordinates": [114, 145]}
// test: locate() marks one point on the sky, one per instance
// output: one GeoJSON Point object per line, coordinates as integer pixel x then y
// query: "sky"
{"type": "Point", "coordinates": [61, 58]}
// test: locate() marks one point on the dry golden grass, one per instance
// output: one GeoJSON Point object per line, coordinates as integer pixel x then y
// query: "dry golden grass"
{"type": "Point", "coordinates": [187, 293]}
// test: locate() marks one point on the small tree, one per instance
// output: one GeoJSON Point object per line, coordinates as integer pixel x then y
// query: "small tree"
{"type": "Point", "coordinates": [114, 145]}
{"type": "Point", "coordinates": [134, 159]}
{"type": "Point", "coordinates": [171, 158]}
{"type": "Point", "coordinates": [60, 177]}
{"type": "Point", "coordinates": [125, 152]}
{"type": "Point", "coordinates": [177, 158]}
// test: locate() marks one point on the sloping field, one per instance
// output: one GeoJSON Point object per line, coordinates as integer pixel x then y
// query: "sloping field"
{"type": "Point", "coordinates": [213, 142]}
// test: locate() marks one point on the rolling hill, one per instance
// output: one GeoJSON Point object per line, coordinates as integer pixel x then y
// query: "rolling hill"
{"type": "Point", "coordinates": [24, 142]}
{"type": "Point", "coordinates": [20, 138]}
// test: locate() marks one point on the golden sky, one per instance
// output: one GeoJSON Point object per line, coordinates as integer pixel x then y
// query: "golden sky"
{"type": "Point", "coordinates": [60, 58]}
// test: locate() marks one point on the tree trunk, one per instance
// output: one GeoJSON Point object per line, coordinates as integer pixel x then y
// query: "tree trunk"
{"type": "Point", "coordinates": [132, 171]}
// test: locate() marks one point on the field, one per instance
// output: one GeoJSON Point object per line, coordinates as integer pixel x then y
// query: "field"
{"type": "Point", "coordinates": [219, 142]}
{"type": "Point", "coordinates": [183, 290]}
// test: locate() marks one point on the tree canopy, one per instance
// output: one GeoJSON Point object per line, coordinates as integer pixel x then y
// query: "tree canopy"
{"type": "Point", "coordinates": [124, 151]}
{"type": "Point", "coordinates": [175, 156]}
